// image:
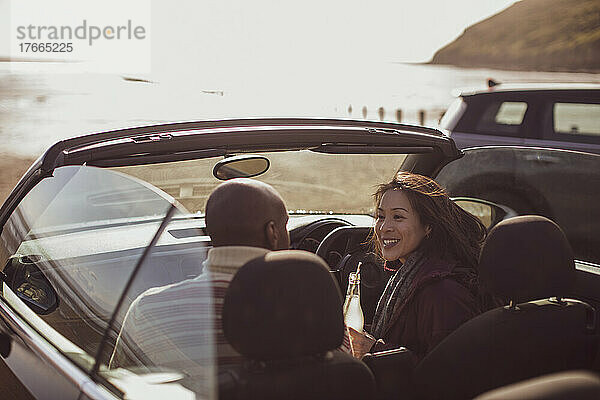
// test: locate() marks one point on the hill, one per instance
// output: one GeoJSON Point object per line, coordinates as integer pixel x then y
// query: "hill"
{"type": "Point", "coordinates": [548, 35]}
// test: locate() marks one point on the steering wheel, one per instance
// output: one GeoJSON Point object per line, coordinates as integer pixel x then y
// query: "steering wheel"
{"type": "Point", "coordinates": [341, 241]}
{"type": "Point", "coordinates": [343, 248]}
{"type": "Point", "coordinates": [308, 237]}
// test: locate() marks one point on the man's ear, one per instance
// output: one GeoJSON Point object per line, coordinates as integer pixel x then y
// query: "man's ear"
{"type": "Point", "coordinates": [271, 235]}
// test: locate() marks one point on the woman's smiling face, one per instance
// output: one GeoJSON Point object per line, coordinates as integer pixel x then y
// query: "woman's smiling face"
{"type": "Point", "coordinates": [398, 227]}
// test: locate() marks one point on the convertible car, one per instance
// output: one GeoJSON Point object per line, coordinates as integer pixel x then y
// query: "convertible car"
{"type": "Point", "coordinates": [100, 219]}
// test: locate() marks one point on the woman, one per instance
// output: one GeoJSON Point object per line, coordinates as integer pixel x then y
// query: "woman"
{"type": "Point", "coordinates": [433, 246]}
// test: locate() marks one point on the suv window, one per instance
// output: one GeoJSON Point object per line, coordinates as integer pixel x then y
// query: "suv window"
{"type": "Point", "coordinates": [576, 119]}
{"type": "Point", "coordinates": [502, 117]}
{"type": "Point", "coordinates": [511, 113]}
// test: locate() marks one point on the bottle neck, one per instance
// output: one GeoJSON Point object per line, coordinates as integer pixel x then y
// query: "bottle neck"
{"type": "Point", "coordinates": [353, 285]}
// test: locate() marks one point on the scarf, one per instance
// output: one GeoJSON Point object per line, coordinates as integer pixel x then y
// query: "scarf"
{"type": "Point", "coordinates": [392, 266]}
{"type": "Point", "coordinates": [396, 288]}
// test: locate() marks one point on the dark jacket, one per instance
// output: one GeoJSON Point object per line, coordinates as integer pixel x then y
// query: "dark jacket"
{"type": "Point", "coordinates": [442, 297]}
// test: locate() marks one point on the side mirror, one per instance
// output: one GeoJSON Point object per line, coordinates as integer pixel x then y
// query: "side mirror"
{"type": "Point", "coordinates": [26, 279]}
{"type": "Point", "coordinates": [488, 213]}
{"type": "Point", "coordinates": [244, 166]}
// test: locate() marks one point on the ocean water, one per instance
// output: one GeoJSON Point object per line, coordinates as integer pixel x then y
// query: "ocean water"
{"type": "Point", "coordinates": [36, 110]}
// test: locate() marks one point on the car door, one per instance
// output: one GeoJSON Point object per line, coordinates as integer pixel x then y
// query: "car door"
{"type": "Point", "coordinates": [68, 250]}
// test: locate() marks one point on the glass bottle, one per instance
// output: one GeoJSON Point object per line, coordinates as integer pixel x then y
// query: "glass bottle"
{"type": "Point", "coordinates": [353, 314]}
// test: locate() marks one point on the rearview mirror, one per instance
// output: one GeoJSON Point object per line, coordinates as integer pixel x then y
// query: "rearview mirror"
{"type": "Point", "coordinates": [244, 166]}
{"type": "Point", "coordinates": [488, 213]}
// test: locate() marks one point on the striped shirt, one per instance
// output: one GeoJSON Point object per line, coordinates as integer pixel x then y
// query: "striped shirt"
{"type": "Point", "coordinates": [179, 326]}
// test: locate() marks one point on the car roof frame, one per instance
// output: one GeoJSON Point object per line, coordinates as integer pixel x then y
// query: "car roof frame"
{"type": "Point", "coordinates": [169, 142]}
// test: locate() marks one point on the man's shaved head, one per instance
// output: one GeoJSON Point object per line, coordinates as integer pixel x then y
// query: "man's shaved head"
{"type": "Point", "coordinates": [245, 212]}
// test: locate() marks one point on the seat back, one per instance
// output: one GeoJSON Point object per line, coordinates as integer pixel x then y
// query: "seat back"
{"type": "Point", "coordinates": [524, 258]}
{"type": "Point", "coordinates": [572, 385]}
{"type": "Point", "coordinates": [283, 312]}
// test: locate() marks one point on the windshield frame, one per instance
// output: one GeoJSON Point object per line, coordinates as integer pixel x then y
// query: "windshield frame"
{"type": "Point", "coordinates": [234, 136]}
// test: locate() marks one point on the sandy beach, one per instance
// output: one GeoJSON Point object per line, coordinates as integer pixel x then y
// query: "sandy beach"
{"type": "Point", "coordinates": [11, 169]}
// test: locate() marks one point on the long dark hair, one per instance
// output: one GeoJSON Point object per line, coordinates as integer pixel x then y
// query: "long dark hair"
{"type": "Point", "coordinates": [455, 234]}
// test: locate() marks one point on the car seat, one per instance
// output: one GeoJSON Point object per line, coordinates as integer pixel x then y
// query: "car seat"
{"type": "Point", "coordinates": [283, 312]}
{"type": "Point", "coordinates": [572, 385]}
{"type": "Point", "coordinates": [528, 261]}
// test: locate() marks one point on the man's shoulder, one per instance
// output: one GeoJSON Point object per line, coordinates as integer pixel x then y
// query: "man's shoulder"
{"type": "Point", "coordinates": [204, 286]}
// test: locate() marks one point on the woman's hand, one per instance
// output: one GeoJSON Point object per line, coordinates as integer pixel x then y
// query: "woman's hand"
{"type": "Point", "coordinates": [361, 342]}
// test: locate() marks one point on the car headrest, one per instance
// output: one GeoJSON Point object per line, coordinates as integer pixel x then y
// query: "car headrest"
{"type": "Point", "coordinates": [283, 305]}
{"type": "Point", "coordinates": [527, 258]}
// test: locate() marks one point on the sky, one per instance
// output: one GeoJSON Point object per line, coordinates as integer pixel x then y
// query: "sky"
{"type": "Point", "coordinates": [221, 35]}
{"type": "Point", "coordinates": [395, 30]}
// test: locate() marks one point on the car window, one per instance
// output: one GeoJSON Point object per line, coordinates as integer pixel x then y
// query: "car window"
{"type": "Point", "coordinates": [69, 249]}
{"type": "Point", "coordinates": [168, 332]}
{"type": "Point", "coordinates": [510, 113]}
{"type": "Point", "coordinates": [502, 118]}
{"type": "Point", "coordinates": [577, 119]}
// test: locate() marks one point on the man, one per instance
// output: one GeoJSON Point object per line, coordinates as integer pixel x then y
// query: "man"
{"type": "Point", "coordinates": [179, 326]}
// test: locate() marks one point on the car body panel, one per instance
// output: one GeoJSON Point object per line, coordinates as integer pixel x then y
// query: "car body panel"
{"type": "Point", "coordinates": [43, 370]}
{"type": "Point", "coordinates": [536, 180]}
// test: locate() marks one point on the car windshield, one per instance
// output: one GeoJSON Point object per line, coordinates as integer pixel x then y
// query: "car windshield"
{"type": "Point", "coordinates": [308, 181]}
